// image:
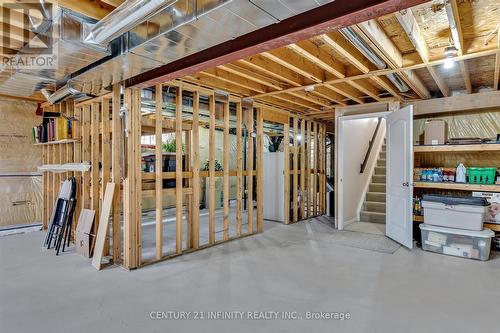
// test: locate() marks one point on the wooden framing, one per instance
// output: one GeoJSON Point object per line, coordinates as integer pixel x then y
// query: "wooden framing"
{"type": "Point", "coordinates": [196, 173]}
{"type": "Point", "coordinates": [159, 170]}
{"type": "Point", "coordinates": [239, 167]}
{"type": "Point", "coordinates": [259, 168]}
{"type": "Point", "coordinates": [286, 153]}
{"type": "Point", "coordinates": [225, 168]}
{"type": "Point", "coordinates": [211, 154]}
{"type": "Point", "coordinates": [178, 170]}
{"type": "Point", "coordinates": [101, 142]}
{"type": "Point", "coordinates": [295, 169]}
{"type": "Point", "coordinates": [249, 169]}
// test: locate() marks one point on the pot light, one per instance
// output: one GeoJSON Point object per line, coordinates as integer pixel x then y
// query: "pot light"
{"type": "Point", "coordinates": [449, 63]}
{"type": "Point", "coordinates": [450, 52]}
{"type": "Point", "coordinates": [309, 88]}
{"type": "Point", "coordinates": [299, 137]}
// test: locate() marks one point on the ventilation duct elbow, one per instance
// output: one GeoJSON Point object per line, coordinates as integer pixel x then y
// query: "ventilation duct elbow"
{"type": "Point", "coordinates": [127, 16]}
{"type": "Point", "coordinates": [63, 93]}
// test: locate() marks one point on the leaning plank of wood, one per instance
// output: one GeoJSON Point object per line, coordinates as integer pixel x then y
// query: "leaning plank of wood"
{"type": "Point", "coordinates": [102, 230]}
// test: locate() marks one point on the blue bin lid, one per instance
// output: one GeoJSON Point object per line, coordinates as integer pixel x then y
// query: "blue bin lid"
{"type": "Point", "coordinates": [453, 200]}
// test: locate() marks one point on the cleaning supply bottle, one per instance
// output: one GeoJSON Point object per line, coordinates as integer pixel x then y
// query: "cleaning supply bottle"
{"type": "Point", "coordinates": [460, 176]}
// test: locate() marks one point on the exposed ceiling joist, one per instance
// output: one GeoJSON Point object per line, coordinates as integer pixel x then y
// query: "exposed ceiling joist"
{"type": "Point", "coordinates": [346, 90]}
{"type": "Point", "coordinates": [410, 26]}
{"type": "Point", "coordinates": [293, 61]}
{"type": "Point", "coordinates": [264, 65]}
{"type": "Point", "coordinates": [458, 39]}
{"type": "Point", "coordinates": [317, 56]}
{"type": "Point", "coordinates": [439, 81]}
{"type": "Point", "coordinates": [366, 88]}
{"type": "Point", "coordinates": [375, 36]}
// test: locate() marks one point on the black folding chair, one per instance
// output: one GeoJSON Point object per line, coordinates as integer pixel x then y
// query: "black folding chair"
{"type": "Point", "coordinates": [62, 217]}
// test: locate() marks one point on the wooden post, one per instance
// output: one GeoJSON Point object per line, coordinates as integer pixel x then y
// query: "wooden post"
{"type": "Point", "coordinates": [86, 144]}
{"type": "Point", "coordinates": [159, 170]}
{"type": "Point", "coordinates": [105, 155]}
{"type": "Point", "coordinates": [295, 169]}
{"type": "Point", "coordinates": [250, 170]}
{"type": "Point", "coordinates": [132, 183]}
{"type": "Point", "coordinates": [187, 197]}
{"type": "Point", "coordinates": [116, 141]}
{"type": "Point", "coordinates": [95, 161]}
{"type": "Point", "coordinates": [315, 170]}
{"type": "Point", "coordinates": [286, 175]}
{"type": "Point", "coordinates": [308, 169]}
{"type": "Point", "coordinates": [225, 163]}
{"type": "Point", "coordinates": [239, 168]}
{"type": "Point", "coordinates": [303, 157]}
{"type": "Point", "coordinates": [260, 176]}
{"type": "Point", "coordinates": [178, 170]}
{"type": "Point", "coordinates": [196, 173]}
{"type": "Point", "coordinates": [211, 171]}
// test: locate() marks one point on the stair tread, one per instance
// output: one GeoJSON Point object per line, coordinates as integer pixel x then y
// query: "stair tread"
{"type": "Point", "coordinates": [372, 212]}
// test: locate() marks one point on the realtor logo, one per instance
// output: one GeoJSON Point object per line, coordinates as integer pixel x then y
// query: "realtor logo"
{"type": "Point", "coordinates": [27, 36]}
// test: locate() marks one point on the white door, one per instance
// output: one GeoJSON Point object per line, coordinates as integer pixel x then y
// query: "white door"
{"type": "Point", "coordinates": [399, 210]}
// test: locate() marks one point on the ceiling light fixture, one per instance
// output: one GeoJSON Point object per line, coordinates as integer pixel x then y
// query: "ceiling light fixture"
{"type": "Point", "coordinates": [450, 52]}
{"type": "Point", "coordinates": [309, 88]}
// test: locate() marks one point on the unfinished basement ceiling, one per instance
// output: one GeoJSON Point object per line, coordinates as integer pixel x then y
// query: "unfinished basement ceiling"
{"type": "Point", "coordinates": [177, 29]}
{"type": "Point", "coordinates": [314, 76]}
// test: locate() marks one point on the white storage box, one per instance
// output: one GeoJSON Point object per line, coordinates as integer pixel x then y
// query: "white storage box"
{"type": "Point", "coordinates": [457, 242]}
{"type": "Point", "coordinates": [455, 212]}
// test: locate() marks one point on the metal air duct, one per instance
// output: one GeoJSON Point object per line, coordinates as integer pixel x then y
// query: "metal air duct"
{"type": "Point", "coordinates": [124, 18]}
{"type": "Point", "coordinates": [365, 49]}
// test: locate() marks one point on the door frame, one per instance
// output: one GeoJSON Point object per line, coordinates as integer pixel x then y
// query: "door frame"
{"type": "Point", "coordinates": [339, 152]}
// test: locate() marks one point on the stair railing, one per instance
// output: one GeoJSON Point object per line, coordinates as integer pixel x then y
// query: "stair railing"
{"type": "Point", "coordinates": [370, 146]}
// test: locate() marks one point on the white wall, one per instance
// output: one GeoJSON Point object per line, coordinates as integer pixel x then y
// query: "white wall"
{"type": "Point", "coordinates": [357, 133]}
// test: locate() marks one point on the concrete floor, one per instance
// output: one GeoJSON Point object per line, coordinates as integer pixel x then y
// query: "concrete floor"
{"type": "Point", "coordinates": [287, 268]}
{"type": "Point", "coordinates": [367, 227]}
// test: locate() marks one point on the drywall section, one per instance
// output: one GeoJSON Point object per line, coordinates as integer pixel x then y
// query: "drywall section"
{"type": "Point", "coordinates": [20, 183]}
{"type": "Point", "coordinates": [357, 134]}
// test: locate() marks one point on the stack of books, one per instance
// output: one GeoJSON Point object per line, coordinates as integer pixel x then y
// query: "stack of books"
{"type": "Point", "coordinates": [53, 129]}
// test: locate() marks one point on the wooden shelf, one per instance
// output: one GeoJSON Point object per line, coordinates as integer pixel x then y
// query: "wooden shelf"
{"type": "Point", "coordinates": [492, 226]}
{"type": "Point", "coordinates": [58, 142]}
{"type": "Point", "coordinates": [457, 148]}
{"type": "Point", "coordinates": [458, 186]}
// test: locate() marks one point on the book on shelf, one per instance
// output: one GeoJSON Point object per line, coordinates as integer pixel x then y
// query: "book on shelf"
{"type": "Point", "coordinates": [54, 129]}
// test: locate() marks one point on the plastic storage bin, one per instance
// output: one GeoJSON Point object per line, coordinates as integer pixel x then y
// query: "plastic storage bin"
{"type": "Point", "coordinates": [457, 242]}
{"type": "Point", "coordinates": [455, 212]}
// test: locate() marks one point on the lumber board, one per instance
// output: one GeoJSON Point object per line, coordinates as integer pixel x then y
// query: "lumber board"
{"type": "Point", "coordinates": [302, 167]}
{"type": "Point", "coordinates": [211, 159]}
{"type": "Point", "coordinates": [295, 169]}
{"type": "Point", "coordinates": [94, 160]}
{"type": "Point", "coordinates": [250, 155]}
{"type": "Point", "coordinates": [158, 171]}
{"type": "Point", "coordinates": [196, 173]}
{"type": "Point", "coordinates": [286, 156]}
{"type": "Point", "coordinates": [260, 182]}
{"type": "Point", "coordinates": [225, 162]}
{"type": "Point", "coordinates": [102, 230]}
{"type": "Point", "coordinates": [178, 171]}
{"type": "Point", "coordinates": [116, 171]}
{"type": "Point", "coordinates": [239, 168]}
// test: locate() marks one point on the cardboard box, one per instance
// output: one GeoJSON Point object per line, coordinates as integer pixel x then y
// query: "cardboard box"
{"type": "Point", "coordinates": [435, 132]}
{"type": "Point", "coordinates": [83, 238]}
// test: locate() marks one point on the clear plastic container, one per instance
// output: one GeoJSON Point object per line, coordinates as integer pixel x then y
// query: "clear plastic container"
{"type": "Point", "coordinates": [457, 242]}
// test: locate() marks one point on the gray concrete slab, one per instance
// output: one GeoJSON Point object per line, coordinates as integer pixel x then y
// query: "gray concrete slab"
{"type": "Point", "coordinates": [287, 268]}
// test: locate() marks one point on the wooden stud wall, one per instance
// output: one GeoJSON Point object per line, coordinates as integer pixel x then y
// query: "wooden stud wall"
{"type": "Point", "coordinates": [101, 140]}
